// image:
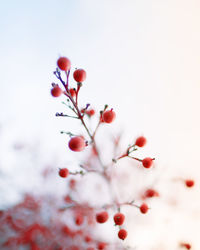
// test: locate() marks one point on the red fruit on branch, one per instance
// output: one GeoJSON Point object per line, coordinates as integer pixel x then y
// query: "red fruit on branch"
{"type": "Point", "coordinates": [149, 193]}
{"type": "Point", "coordinates": [77, 144]}
{"type": "Point", "coordinates": [108, 116]}
{"type": "Point", "coordinates": [64, 63]}
{"type": "Point", "coordinates": [144, 208]}
{"type": "Point", "coordinates": [56, 91]}
{"type": "Point", "coordinates": [122, 234]}
{"type": "Point", "coordinates": [79, 75]}
{"type": "Point", "coordinates": [72, 92]}
{"type": "Point", "coordinates": [140, 141]}
{"type": "Point", "coordinates": [189, 183]}
{"type": "Point", "coordinates": [102, 217]}
{"type": "Point", "coordinates": [147, 162]}
{"type": "Point", "coordinates": [63, 172]}
{"type": "Point", "coordinates": [119, 219]}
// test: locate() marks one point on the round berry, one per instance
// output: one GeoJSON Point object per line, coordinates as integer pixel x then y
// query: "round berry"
{"type": "Point", "coordinates": [79, 75]}
{"type": "Point", "coordinates": [122, 234]}
{"type": "Point", "coordinates": [90, 112]}
{"type": "Point", "coordinates": [101, 245]}
{"type": "Point", "coordinates": [77, 144]}
{"type": "Point", "coordinates": [108, 116]}
{"type": "Point", "coordinates": [56, 91]}
{"type": "Point", "coordinates": [147, 162]}
{"type": "Point", "coordinates": [119, 219]}
{"type": "Point", "coordinates": [79, 219]}
{"type": "Point", "coordinates": [64, 63]}
{"type": "Point", "coordinates": [102, 217]}
{"type": "Point", "coordinates": [63, 172]}
{"type": "Point", "coordinates": [140, 141]}
{"type": "Point", "coordinates": [144, 208]}
{"type": "Point", "coordinates": [186, 245]}
{"type": "Point", "coordinates": [149, 193]}
{"type": "Point", "coordinates": [189, 183]}
{"type": "Point", "coordinates": [72, 92]}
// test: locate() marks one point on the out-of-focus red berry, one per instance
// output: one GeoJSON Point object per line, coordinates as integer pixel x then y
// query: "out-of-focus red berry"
{"type": "Point", "coordinates": [108, 116]}
{"type": "Point", "coordinates": [63, 172]}
{"type": "Point", "coordinates": [77, 144]}
{"type": "Point", "coordinates": [101, 245]}
{"type": "Point", "coordinates": [186, 245]}
{"type": "Point", "coordinates": [79, 219]}
{"type": "Point", "coordinates": [56, 91]}
{"type": "Point", "coordinates": [79, 75]}
{"type": "Point", "coordinates": [119, 219]}
{"type": "Point", "coordinates": [149, 193]}
{"type": "Point", "coordinates": [122, 234]}
{"type": "Point", "coordinates": [189, 183]}
{"type": "Point", "coordinates": [147, 162]}
{"type": "Point", "coordinates": [140, 141]}
{"type": "Point", "coordinates": [64, 63]}
{"type": "Point", "coordinates": [144, 208]}
{"type": "Point", "coordinates": [102, 217]}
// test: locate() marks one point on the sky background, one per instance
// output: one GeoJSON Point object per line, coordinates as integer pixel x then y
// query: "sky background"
{"type": "Point", "coordinates": [142, 57]}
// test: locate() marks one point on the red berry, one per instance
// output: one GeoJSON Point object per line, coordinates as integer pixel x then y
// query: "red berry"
{"type": "Point", "coordinates": [102, 245]}
{"type": "Point", "coordinates": [186, 245]}
{"type": "Point", "coordinates": [189, 183]}
{"type": "Point", "coordinates": [63, 172]}
{"type": "Point", "coordinates": [122, 234]}
{"type": "Point", "coordinates": [56, 91]}
{"type": "Point", "coordinates": [79, 75]}
{"type": "Point", "coordinates": [79, 219]}
{"type": "Point", "coordinates": [108, 116]}
{"type": "Point", "coordinates": [147, 162]}
{"type": "Point", "coordinates": [140, 141]}
{"type": "Point", "coordinates": [64, 63]}
{"type": "Point", "coordinates": [88, 239]}
{"type": "Point", "coordinates": [144, 208]}
{"type": "Point", "coordinates": [77, 143]}
{"type": "Point", "coordinates": [151, 193]}
{"type": "Point", "coordinates": [90, 112]}
{"type": "Point", "coordinates": [119, 219]}
{"type": "Point", "coordinates": [72, 92]}
{"type": "Point", "coordinates": [72, 183]}
{"type": "Point", "coordinates": [102, 217]}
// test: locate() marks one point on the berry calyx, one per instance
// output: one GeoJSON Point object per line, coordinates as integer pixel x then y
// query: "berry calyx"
{"type": "Point", "coordinates": [147, 162]}
{"type": "Point", "coordinates": [56, 91]}
{"type": "Point", "coordinates": [63, 172]}
{"type": "Point", "coordinates": [119, 219]}
{"type": "Point", "coordinates": [79, 75]}
{"type": "Point", "coordinates": [72, 92]}
{"type": "Point", "coordinates": [144, 208]}
{"type": "Point", "coordinates": [102, 217]}
{"type": "Point", "coordinates": [108, 116]}
{"type": "Point", "coordinates": [64, 63]}
{"type": "Point", "coordinates": [122, 234]}
{"type": "Point", "coordinates": [77, 144]}
{"type": "Point", "coordinates": [140, 141]}
{"type": "Point", "coordinates": [189, 183]}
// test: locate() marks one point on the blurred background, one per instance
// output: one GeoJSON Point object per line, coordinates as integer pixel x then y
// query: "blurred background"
{"type": "Point", "coordinates": [142, 58]}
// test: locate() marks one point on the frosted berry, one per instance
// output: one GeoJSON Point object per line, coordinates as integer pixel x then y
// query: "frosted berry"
{"type": "Point", "coordinates": [56, 91]}
{"type": "Point", "coordinates": [72, 92]}
{"type": "Point", "coordinates": [63, 172]}
{"type": "Point", "coordinates": [77, 144]}
{"type": "Point", "coordinates": [64, 63]}
{"type": "Point", "coordinates": [79, 75]}
{"type": "Point", "coordinates": [119, 219]}
{"type": "Point", "coordinates": [189, 183]}
{"type": "Point", "coordinates": [108, 116]}
{"type": "Point", "coordinates": [144, 208]}
{"type": "Point", "coordinates": [147, 162]}
{"type": "Point", "coordinates": [122, 234]}
{"type": "Point", "coordinates": [140, 141]}
{"type": "Point", "coordinates": [102, 217]}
